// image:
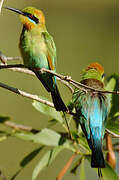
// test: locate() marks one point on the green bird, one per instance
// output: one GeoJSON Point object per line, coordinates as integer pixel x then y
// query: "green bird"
{"type": "Point", "coordinates": [92, 110]}
{"type": "Point", "coordinates": [38, 50]}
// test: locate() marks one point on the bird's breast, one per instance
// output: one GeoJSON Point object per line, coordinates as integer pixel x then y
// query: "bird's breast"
{"type": "Point", "coordinates": [33, 49]}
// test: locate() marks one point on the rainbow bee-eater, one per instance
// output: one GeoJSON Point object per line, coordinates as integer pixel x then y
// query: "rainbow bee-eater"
{"type": "Point", "coordinates": [38, 50]}
{"type": "Point", "coordinates": [91, 111]}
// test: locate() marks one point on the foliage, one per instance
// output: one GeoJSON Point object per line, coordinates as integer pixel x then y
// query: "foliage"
{"type": "Point", "coordinates": [58, 141]}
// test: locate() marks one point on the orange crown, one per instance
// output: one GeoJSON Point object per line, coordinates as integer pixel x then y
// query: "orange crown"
{"type": "Point", "coordinates": [96, 66]}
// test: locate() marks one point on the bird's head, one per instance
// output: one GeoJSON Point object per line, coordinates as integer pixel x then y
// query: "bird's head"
{"type": "Point", "coordinates": [30, 17]}
{"type": "Point", "coordinates": [98, 67]}
{"type": "Point", "coordinates": [94, 70]}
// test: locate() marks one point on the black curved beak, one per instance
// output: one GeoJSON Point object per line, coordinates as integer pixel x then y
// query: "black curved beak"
{"type": "Point", "coordinates": [15, 10]}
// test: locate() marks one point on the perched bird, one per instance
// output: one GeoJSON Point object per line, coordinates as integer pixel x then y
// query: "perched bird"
{"type": "Point", "coordinates": [92, 109]}
{"type": "Point", "coordinates": [38, 50]}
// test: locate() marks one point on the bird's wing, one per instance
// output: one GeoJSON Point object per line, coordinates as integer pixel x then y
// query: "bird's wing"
{"type": "Point", "coordinates": [51, 50]}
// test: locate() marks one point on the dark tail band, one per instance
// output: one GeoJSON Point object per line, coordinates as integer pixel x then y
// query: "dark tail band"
{"type": "Point", "coordinates": [58, 102]}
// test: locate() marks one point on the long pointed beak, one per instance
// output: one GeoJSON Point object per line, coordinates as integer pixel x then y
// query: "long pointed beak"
{"type": "Point", "coordinates": [15, 10]}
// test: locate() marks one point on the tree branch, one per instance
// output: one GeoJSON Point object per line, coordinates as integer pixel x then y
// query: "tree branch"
{"type": "Point", "coordinates": [21, 68]}
{"type": "Point", "coordinates": [27, 95]}
{"type": "Point", "coordinates": [76, 83]}
{"type": "Point", "coordinates": [18, 126]}
{"type": "Point", "coordinates": [65, 78]}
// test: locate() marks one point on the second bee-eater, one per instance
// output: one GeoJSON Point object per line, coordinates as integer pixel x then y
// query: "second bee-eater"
{"type": "Point", "coordinates": [92, 109]}
{"type": "Point", "coordinates": [38, 50]}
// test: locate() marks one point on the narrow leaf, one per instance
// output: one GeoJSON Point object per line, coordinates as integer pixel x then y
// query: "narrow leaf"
{"type": "Point", "coordinates": [46, 160]}
{"type": "Point", "coordinates": [30, 156]}
{"type": "Point", "coordinates": [2, 138]}
{"type": "Point", "coordinates": [110, 87]}
{"type": "Point", "coordinates": [111, 84]}
{"type": "Point", "coordinates": [109, 173]}
{"type": "Point", "coordinates": [113, 126]}
{"type": "Point", "coordinates": [4, 118]}
{"type": "Point", "coordinates": [82, 170]}
{"type": "Point", "coordinates": [76, 165]}
{"type": "Point", "coordinates": [115, 98]}
{"type": "Point", "coordinates": [47, 110]}
{"type": "Point", "coordinates": [45, 136]}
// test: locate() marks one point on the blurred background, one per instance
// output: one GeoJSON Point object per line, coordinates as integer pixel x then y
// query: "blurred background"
{"type": "Point", "coordinates": [84, 31]}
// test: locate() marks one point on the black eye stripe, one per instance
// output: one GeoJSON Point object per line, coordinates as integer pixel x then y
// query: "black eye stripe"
{"type": "Point", "coordinates": [35, 19]}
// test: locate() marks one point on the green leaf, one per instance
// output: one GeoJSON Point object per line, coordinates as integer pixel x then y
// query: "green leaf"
{"type": "Point", "coordinates": [30, 156]}
{"type": "Point", "coordinates": [16, 174]}
{"type": "Point", "coordinates": [4, 118]}
{"type": "Point", "coordinates": [83, 143]}
{"type": "Point", "coordinates": [116, 115]}
{"type": "Point", "coordinates": [82, 170]}
{"type": "Point", "coordinates": [2, 138]}
{"type": "Point", "coordinates": [115, 98]}
{"type": "Point", "coordinates": [47, 110]}
{"type": "Point", "coordinates": [45, 136]}
{"type": "Point", "coordinates": [113, 126]}
{"type": "Point", "coordinates": [46, 160]}
{"type": "Point", "coordinates": [111, 84]}
{"type": "Point", "coordinates": [110, 87]}
{"type": "Point", "coordinates": [76, 165]}
{"type": "Point", "coordinates": [109, 173]}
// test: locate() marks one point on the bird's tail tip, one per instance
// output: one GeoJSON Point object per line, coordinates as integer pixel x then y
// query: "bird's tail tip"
{"type": "Point", "coordinates": [97, 160]}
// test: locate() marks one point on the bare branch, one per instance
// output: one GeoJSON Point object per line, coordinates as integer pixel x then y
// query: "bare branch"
{"type": "Point", "coordinates": [76, 83]}
{"type": "Point", "coordinates": [21, 68]}
{"type": "Point", "coordinates": [65, 78]}
{"type": "Point", "coordinates": [7, 66]}
{"type": "Point", "coordinates": [18, 126]}
{"type": "Point", "coordinates": [22, 93]}
{"type": "Point", "coordinates": [4, 58]}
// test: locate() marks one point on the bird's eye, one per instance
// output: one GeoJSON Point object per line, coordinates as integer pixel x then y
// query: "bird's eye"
{"type": "Point", "coordinates": [32, 17]}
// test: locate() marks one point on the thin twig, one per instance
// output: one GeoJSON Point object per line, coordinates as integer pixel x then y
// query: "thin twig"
{"type": "Point", "coordinates": [73, 82]}
{"type": "Point", "coordinates": [6, 66]}
{"type": "Point", "coordinates": [18, 126]}
{"type": "Point", "coordinates": [4, 58]}
{"type": "Point", "coordinates": [22, 70]}
{"type": "Point", "coordinates": [66, 167]}
{"type": "Point", "coordinates": [22, 93]}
